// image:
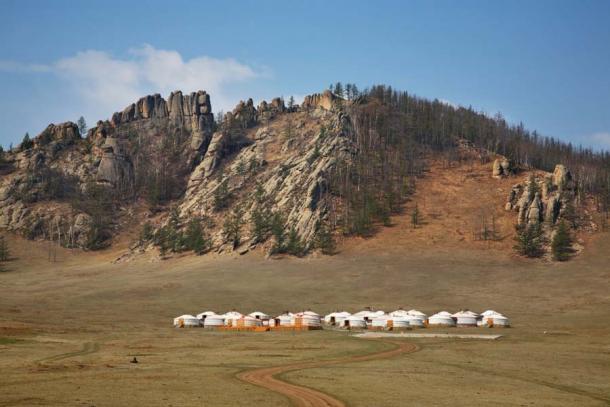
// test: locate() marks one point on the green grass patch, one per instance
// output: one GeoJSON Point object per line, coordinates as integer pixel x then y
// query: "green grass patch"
{"type": "Point", "coordinates": [9, 341]}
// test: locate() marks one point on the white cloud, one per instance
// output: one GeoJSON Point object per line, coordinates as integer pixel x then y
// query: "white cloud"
{"type": "Point", "coordinates": [103, 83]}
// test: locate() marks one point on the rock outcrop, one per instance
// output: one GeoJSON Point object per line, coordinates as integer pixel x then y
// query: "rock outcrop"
{"type": "Point", "coordinates": [501, 168]}
{"type": "Point", "coordinates": [64, 134]}
{"type": "Point", "coordinates": [326, 100]}
{"type": "Point", "coordinates": [295, 182]}
{"type": "Point", "coordinates": [541, 198]}
{"type": "Point", "coordinates": [244, 116]}
{"type": "Point", "coordinates": [267, 111]}
{"type": "Point", "coordinates": [115, 167]}
{"type": "Point", "coordinates": [192, 113]}
{"type": "Point", "coordinates": [562, 178]}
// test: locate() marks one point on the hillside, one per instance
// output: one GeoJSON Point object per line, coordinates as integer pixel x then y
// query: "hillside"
{"type": "Point", "coordinates": [169, 177]}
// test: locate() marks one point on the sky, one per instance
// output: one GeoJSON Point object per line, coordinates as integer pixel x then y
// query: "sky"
{"type": "Point", "coordinates": [543, 63]}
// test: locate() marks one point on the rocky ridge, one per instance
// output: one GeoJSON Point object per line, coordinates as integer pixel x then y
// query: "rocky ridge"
{"type": "Point", "coordinates": [43, 186]}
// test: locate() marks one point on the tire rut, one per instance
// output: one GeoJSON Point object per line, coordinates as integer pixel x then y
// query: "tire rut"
{"type": "Point", "coordinates": [302, 396]}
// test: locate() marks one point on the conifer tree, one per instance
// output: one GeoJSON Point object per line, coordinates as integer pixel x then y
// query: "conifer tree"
{"type": "Point", "coordinates": [324, 239]}
{"type": "Point", "coordinates": [561, 246]}
{"type": "Point", "coordinates": [221, 193]}
{"type": "Point", "coordinates": [82, 125]}
{"type": "Point", "coordinates": [338, 89]}
{"type": "Point", "coordinates": [232, 226]}
{"type": "Point", "coordinates": [4, 251]}
{"type": "Point", "coordinates": [415, 217]}
{"type": "Point", "coordinates": [26, 143]}
{"type": "Point", "coordinates": [196, 239]}
{"type": "Point", "coordinates": [529, 240]}
{"type": "Point", "coordinates": [569, 214]}
{"type": "Point", "coordinates": [294, 245]}
{"type": "Point", "coordinates": [279, 235]}
{"type": "Point", "coordinates": [532, 186]}
{"type": "Point", "coordinates": [261, 215]}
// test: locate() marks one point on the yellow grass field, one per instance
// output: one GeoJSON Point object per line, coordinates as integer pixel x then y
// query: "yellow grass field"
{"type": "Point", "coordinates": [68, 329]}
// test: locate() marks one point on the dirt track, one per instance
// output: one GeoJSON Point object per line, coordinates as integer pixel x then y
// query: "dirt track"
{"type": "Point", "coordinates": [306, 397]}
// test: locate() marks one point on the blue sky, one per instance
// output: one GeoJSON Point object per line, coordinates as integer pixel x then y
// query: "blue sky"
{"type": "Point", "coordinates": [545, 63]}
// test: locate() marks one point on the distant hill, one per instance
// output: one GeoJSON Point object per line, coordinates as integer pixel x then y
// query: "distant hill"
{"type": "Point", "coordinates": [170, 176]}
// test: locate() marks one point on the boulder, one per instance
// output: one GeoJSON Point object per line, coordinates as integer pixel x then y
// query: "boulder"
{"type": "Point", "coordinates": [213, 156]}
{"type": "Point", "coordinates": [553, 207]}
{"type": "Point", "coordinates": [114, 168]}
{"type": "Point", "coordinates": [561, 176]}
{"type": "Point", "coordinates": [501, 168]}
{"type": "Point", "coordinates": [496, 169]}
{"type": "Point", "coordinates": [80, 230]}
{"type": "Point", "coordinates": [535, 210]}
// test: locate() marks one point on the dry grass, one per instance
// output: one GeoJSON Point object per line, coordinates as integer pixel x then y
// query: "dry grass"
{"type": "Point", "coordinates": [69, 329]}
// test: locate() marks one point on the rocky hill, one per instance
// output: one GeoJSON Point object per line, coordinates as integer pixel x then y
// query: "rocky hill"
{"type": "Point", "coordinates": [287, 178]}
{"type": "Point", "coordinates": [173, 155]}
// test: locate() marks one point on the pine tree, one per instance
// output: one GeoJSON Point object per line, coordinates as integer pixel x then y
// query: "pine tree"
{"type": "Point", "coordinates": [82, 125]}
{"type": "Point", "coordinates": [26, 143]}
{"type": "Point", "coordinates": [196, 240]}
{"type": "Point", "coordinates": [288, 130]}
{"type": "Point", "coordinates": [324, 239]}
{"type": "Point", "coordinates": [291, 103]}
{"type": "Point", "coordinates": [146, 233]}
{"type": "Point", "coordinates": [261, 215]}
{"type": "Point", "coordinates": [232, 226]}
{"type": "Point", "coordinates": [348, 91]}
{"type": "Point", "coordinates": [279, 235]}
{"type": "Point", "coordinates": [4, 251]}
{"type": "Point", "coordinates": [561, 246]}
{"type": "Point", "coordinates": [294, 245]}
{"type": "Point", "coordinates": [241, 167]}
{"type": "Point", "coordinates": [529, 240]}
{"type": "Point", "coordinates": [569, 214]}
{"type": "Point", "coordinates": [415, 217]}
{"type": "Point", "coordinates": [338, 89]}
{"type": "Point", "coordinates": [221, 193]}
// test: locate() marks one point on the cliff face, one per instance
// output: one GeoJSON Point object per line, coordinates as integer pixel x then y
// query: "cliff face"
{"type": "Point", "coordinates": [171, 154]}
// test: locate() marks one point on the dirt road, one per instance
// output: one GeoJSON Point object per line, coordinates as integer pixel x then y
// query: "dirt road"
{"type": "Point", "coordinates": [306, 397]}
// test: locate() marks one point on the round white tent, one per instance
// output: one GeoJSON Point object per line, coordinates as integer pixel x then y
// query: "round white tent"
{"type": "Point", "coordinates": [213, 321]}
{"type": "Point", "coordinates": [368, 315]}
{"type": "Point", "coordinates": [259, 315]}
{"type": "Point", "coordinates": [465, 318]}
{"type": "Point", "coordinates": [416, 321]}
{"type": "Point", "coordinates": [493, 318]}
{"type": "Point", "coordinates": [399, 313]}
{"type": "Point", "coordinates": [232, 317]}
{"type": "Point", "coordinates": [205, 314]}
{"type": "Point", "coordinates": [442, 318]}
{"type": "Point", "coordinates": [401, 322]}
{"type": "Point", "coordinates": [248, 322]}
{"type": "Point", "coordinates": [307, 318]}
{"type": "Point", "coordinates": [418, 314]}
{"type": "Point", "coordinates": [336, 318]}
{"type": "Point", "coordinates": [186, 320]}
{"type": "Point", "coordinates": [380, 322]}
{"type": "Point", "coordinates": [355, 322]}
{"type": "Point", "coordinates": [285, 319]}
